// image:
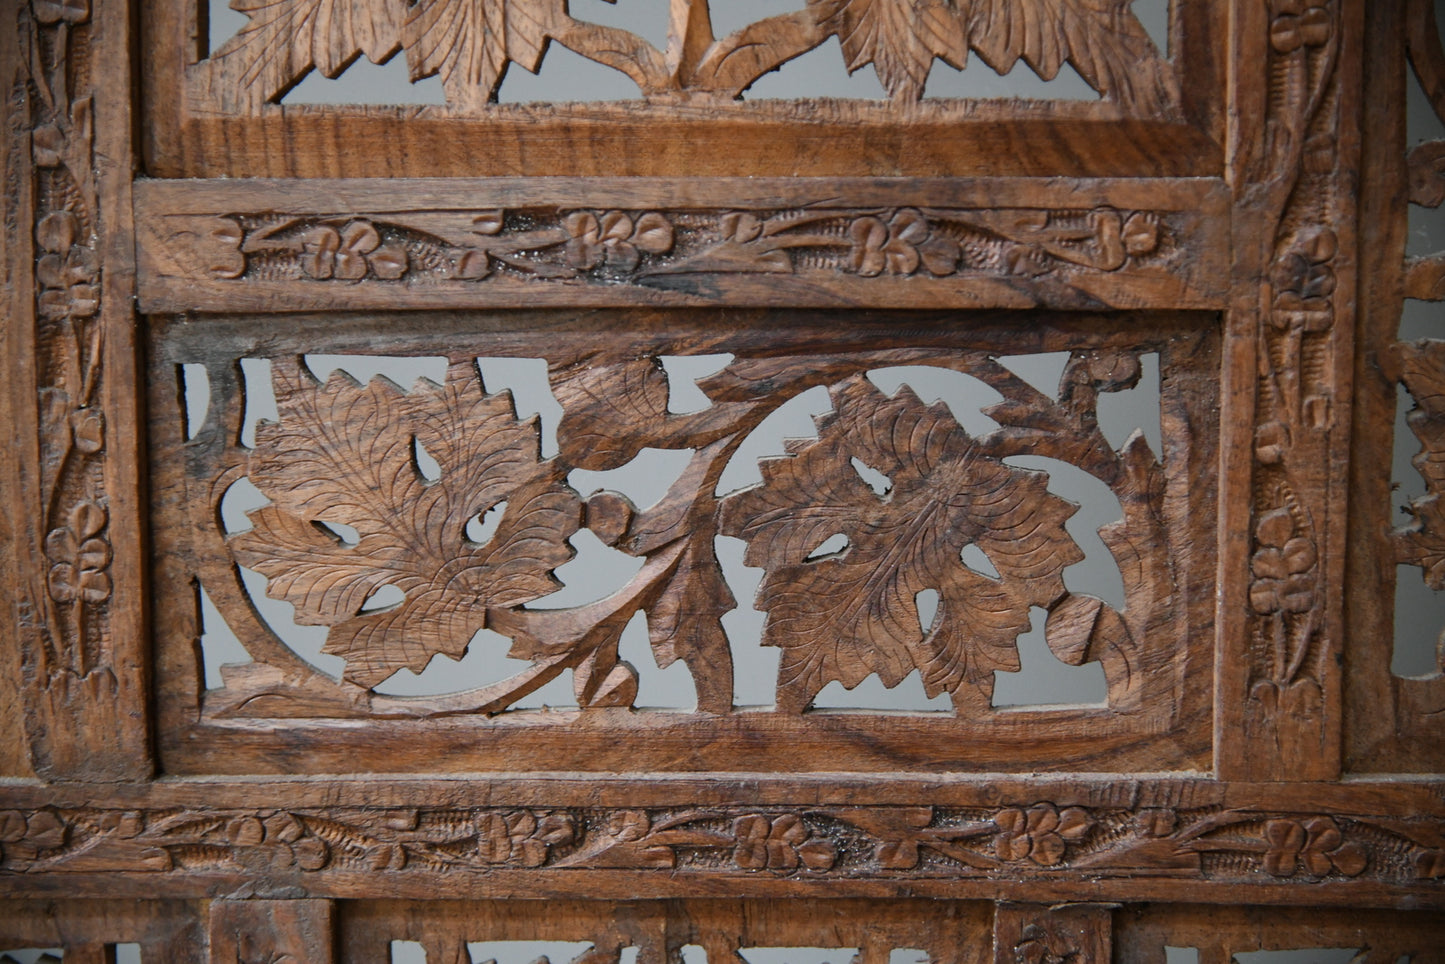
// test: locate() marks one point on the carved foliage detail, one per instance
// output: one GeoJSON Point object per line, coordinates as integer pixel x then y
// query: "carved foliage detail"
{"type": "Point", "coordinates": [1205, 844]}
{"type": "Point", "coordinates": [470, 43]}
{"type": "Point", "coordinates": [349, 454]}
{"type": "Point", "coordinates": [664, 249]}
{"type": "Point", "coordinates": [854, 611]}
{"type": "Point", "coordinates": [1295, 413]}
{"type": "Point", "coordinates": [342, 454]}
{"type": "Point", "coordinates": [70, 615]}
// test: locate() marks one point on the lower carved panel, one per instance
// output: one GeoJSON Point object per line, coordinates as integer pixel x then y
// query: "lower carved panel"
{"type": "Point", "coordinates": [420, 525]}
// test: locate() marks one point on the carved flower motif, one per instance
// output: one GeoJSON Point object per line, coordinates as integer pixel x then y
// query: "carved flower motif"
{"type": "Point", "coordinates": [348, 254]}
{"type": "Point", "coordinates": [1282, 566]}
{"type": "Point", "coordinates": [1318, 844]}
{"type": "Point", "coordinates": [1303, 278]}
{"type": "Point", "coordinates": [519, 836]}
{"type": "Point", "coordinates": [61, 11]}
{"type": "Point", "coordinates": [1039, 833]}
{"type": "Point", "coordinates": [781, 843]}
{"type": "Point", "coordinates": [79, 557]}
{"type": "Point", "coordinates": [899, 246]}
{"type": "Point", "coordinates": [68, 272]}
{"type": "Point", "coordinates": [615, 240]}
{"type": "Point", "coordinates": [1299, 23]}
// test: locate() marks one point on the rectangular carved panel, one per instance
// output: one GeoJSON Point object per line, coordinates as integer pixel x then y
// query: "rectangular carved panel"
{"type": "Point", "coordinates": [1005, 243]}
{"type": "Point", "coordinates": [341, 452]}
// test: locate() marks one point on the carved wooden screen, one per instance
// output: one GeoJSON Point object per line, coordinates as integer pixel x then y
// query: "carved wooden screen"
{"type": "Point", "coordinates": [195, 267]}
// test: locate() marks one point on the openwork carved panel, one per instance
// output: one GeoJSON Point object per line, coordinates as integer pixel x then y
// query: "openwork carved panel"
{"type": "Point", "coordinates": [904, 486]}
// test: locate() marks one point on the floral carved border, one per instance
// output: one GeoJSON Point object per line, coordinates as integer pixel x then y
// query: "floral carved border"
{"type": "Point", "coordinates": [1041, 840]}
{"type": "Point", "coordinates": [1026, 255]}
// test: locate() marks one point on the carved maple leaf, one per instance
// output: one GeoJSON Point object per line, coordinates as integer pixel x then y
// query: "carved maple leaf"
{"type": "Point", "coordinates": [285, 38]}
{"type": "Point", "coordinates": [1102, 39]}
{"type": "Point", "coordinates": [349, 454]}
{"type": "Point", "coordinates": [470, 42]}
{"type": "Point", "coordinates": [854, 612]}
{"type": "Point", "coordinates": [899, 37]}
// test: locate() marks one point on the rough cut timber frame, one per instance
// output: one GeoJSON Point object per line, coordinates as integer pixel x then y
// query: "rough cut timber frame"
{"type": "Point", "coordinates": [1225, 197]}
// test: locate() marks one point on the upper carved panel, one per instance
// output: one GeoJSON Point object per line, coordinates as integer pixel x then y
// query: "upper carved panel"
{"type": "Point", "coordinates": [470, 45]}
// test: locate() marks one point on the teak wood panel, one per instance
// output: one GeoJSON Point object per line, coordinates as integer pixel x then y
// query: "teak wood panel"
{"type": "Point", "coordinates": [1236, 208]}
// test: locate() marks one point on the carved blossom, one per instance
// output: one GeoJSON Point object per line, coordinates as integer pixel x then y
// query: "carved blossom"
{"type": "Point", "coordinates": [615, 240]}
{"type": "Point", "coordinates": [1282, 566]}
{"type": "Point", "coordinates": [900, 246]}
{"type": "Point", "coordinates": [1039, 833]}
{"type": "Point", "coordinates": [79, 557]}
{"type": "Point", "coordinates": [1315, 844]}
{"type": "Point", "coordinates": [779, 843]}
{"type": "Point", "coordinates": [350, 253]}
{"type": "Point", "coordinates": [1296, 24]}
{"type": "Point", "coordinates": [68, 272]}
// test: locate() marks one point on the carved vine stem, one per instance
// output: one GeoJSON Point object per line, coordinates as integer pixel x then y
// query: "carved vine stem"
{"type": "Point", "coordinates": [1292, 437]}
{"type": "Point", "coordinates": [67, 284]}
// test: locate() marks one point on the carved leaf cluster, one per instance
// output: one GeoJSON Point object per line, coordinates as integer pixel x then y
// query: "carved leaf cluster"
{"type": "Point", "coordinates": [349, 454]}
{"type": "Point", "coordinates": [855, 612]}
{"type": "Point", "coordinates": [470, 43]}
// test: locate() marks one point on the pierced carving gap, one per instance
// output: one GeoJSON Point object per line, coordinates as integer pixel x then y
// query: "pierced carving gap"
{"type": "Point", "coordinates": [383, 598]}
{"type": "Point", "coordinates": [127, 954]}
{"type": "Point", "coordinates": [875, 480]}
{"type": "Point", "coordinates": [401, 371]}
{"type": "Point", "coordinates": [566, 77]}
{"type": "Point", "coordinates": [482, 528]}
{"type": "Point", "coordinates": [1126, 409]}
{"type": "Point", "coordinates": [1314, 955]}
{"type": "Point", "coordinates": [831, 546]}
{"type": "Point", "coordinates": [793, 420]}
{"type": "Point", "coordinates": [364, 82]}
{"type": "Point", "coordinates": [965, 396]}
{"type": "Point", "coordinates": [1181, 955]}
{"type": "Point", "coordinates": [239, 501]}
{"type": "Point", "coordinates": [427, 467]}
{"type": "Point", "coordinates": [1042, 371]}
{"type": "Point", "coordinates": [683, 373]}
{"type": "Point", "coordinates": [219, 645]}
{"type": "Point", "coordinates": [909, 955]}
{"type": "Point", "coordinates": [820, 72]}
{"type": "Point", "coordinates": [872, 696]}
{"type": "Point", "coordinates": [407, 952]}
{"type": "Point", "coordinates": [595, 572]}
{"type": "Point", "coordinates": [983, 83]}
{"type": "Point", "coordinates": [1042, 679]}
{"type": "Point", "coordinates": [527, 952]}
{"type": "Point", "coordinates": [976, 559]}
{"type": "Point", "coordinates": [196, 394]}
{"type": "Point", "coordinates": [50, 955]}
{"type": "Point", "coordinates": [526, 380]}
{"type": "Point", "coordinates": [644, 480]}
{"type": "Point", "coordinates": [798, 955]}
{"type": "Point", "coordinates": [260, 397]}
{"type": "Point", "coordinates": [658, 688]}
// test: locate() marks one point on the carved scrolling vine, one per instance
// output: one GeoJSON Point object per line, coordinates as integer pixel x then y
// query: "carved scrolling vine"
{"type": "Point", "coordinates": [1034, 841]}
{"type": "Point", "coordinates": [663, 249]}
{"type": "Point", "coordinates": [69, 616]}
{"type": "Point", "coordinates": [1296, 205]}
{"type": "Point", "coordinates": [345, 453]}
{"type": "Point", "coordinates": [470, 44]}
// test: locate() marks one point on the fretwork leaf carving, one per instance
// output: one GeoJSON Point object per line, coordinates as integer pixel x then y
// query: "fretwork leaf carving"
{"type": "Point", "coordinates": [285, 38]}
{"type": "Point", "coordinates": [1103, 39]}
{"type": "Point", "coordinates": [900, 37]}
{"type": "Point", "coordinates": [845, 615]}
{"type": "Point", "coordinates": [346, 453]}
{"type": "Point", "coordinates": [470, 42]}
